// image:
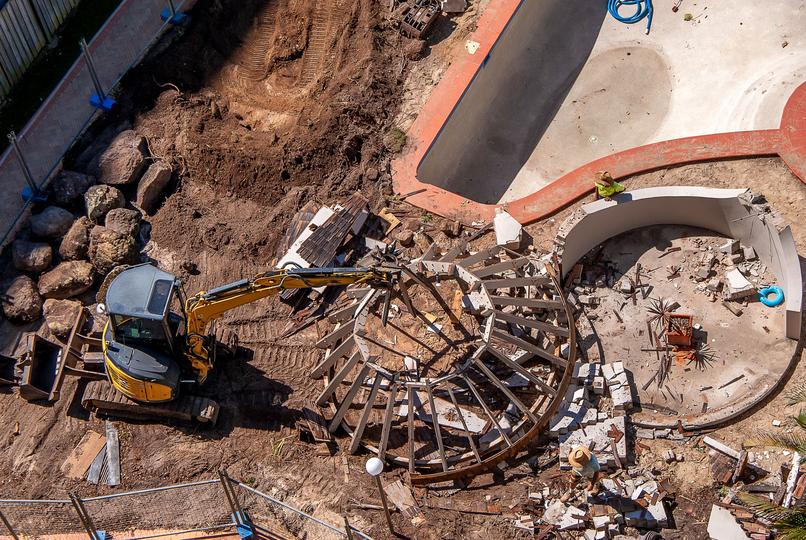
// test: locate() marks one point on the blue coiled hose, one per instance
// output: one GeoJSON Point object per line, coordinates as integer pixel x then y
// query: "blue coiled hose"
{"type": "Point", "coordinates": [643, 8]}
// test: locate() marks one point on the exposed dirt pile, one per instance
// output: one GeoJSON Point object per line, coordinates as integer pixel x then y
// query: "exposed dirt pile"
{"type": "Point", "coordinates": [315, 119]}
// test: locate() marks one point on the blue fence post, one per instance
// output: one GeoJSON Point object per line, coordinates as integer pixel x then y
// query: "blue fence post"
{"type": "Point", "coordinates": [99, 99]}
{"type": "Point", "coordinates": [31, 192]}
{"type": "Point", "coordinates": [169, 14]}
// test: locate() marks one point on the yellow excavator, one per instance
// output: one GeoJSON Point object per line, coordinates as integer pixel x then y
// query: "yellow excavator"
{"type": "Point", "coordinates": [156, 341]}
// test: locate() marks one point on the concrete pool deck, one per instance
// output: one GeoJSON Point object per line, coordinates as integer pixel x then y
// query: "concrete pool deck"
{"type": "Point", "coordinates": [447, 138]}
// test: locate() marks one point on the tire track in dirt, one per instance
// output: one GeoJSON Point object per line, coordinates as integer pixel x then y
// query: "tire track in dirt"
{"type": "Point", "coordinates": [321, 24]}
{"type": "Point", "coordinates": [255, 62]}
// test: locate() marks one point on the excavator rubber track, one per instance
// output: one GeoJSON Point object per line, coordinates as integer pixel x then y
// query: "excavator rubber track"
{"type": "Point", "coordinates": [102, 398]}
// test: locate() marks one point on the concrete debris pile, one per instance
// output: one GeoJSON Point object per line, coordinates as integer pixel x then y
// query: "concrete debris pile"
{"type": "Point", "coordinates": [729, 271]}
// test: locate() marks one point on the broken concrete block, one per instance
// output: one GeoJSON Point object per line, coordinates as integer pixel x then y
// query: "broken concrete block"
{"type": "Point", "coordinates": [607, 371]}
{"type": "Point", "coordinates": [723, 526]}
{"type": "Point", "coordinates": [618, 367]}
{"type": "Point", "coordinates": [621, 378]}
{"type": "Point", "coordinates": [508, 231]}
{"type": "Point", "coordinates": [622, 397]}
{"type": "Point", "coordinates": [749, 253]}
{"type": "Point", "coordinates": [736, 258]}
{"type": "Point", "coordinates": [730, 247]}
{"type": "Point", "coordinates": [598, 385]}
{"type": "Point", "coordinates": [588, 300]}
{"type": "Point", "coordinates": [702, 274]}
{"type": "Point", "coordinates": [645, 433]}
{"type": "Point", "coordinates": [625, 286]}
{"type": "Point", "coordinates": [668, 456]}
{"type": "Point", "coordinates": [738, 286]}
{"type": "Point", "coordinates": [601, 522]}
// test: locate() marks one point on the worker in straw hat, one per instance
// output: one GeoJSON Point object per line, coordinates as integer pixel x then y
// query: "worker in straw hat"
{"type": "Point", "coordinates": [606, 187]}
{"type": "Point", "coordinates": [585, 465]}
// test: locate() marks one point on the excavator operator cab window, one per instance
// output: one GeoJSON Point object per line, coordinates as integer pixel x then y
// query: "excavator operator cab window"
{"type": "Point", "coordinates": [132, 330]}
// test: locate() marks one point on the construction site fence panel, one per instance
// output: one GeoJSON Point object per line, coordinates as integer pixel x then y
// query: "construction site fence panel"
{"type": "Point", "coordinates": [26, 27]}
{"type": "Point", "coordinates": [120, 44]}
{"type": "Point", "coordinates": [195, 507]}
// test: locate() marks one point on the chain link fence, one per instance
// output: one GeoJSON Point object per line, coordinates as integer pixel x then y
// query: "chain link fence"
{"type": "Point", "coordinates": [121, 43]}
{"type": "Point", "coordinates": [209, 506]}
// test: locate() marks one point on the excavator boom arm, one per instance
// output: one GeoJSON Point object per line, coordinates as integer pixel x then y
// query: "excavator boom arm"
{"type": "Point", "coordinates": [207, 306]}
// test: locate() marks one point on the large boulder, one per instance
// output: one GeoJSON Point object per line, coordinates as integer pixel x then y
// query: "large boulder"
{"type": "Point", "coordinates": [69, 187]}
{"type": "Point", "coordinates": [21, 301]}
{"type": "Point", "coordinates": [31, 256]}
{"type": "Point", "coordinates": [52, 222]}
{"type": "Point", "coordinates": [124, 221]}
{"type": "Point", "coordinates": [124, 159]}
{"type": "Point", "coordinates": [152, 185]}
{"type": "Point", "coordinates": [100, 199]}
{"type": "Point", "coordinates": [109, 249]}
{"type": "Point", "coordinates": [69, 279]}
{"type": "Point", "coordinates": [76, 243]}
{"type": "Point", "coordinates": [60, 315]}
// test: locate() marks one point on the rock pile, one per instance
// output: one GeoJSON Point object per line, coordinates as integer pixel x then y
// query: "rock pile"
{"type": "Point", "coordinates": [86, 230]}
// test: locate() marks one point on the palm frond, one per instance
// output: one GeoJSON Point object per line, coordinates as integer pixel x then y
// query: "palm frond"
{"type": "Point", "coordinates": [791, 441]}
{"type": "Point", "coordinates": [764, 508]}
{"type": "Point", "coordinates": [801, 418]}
{"type": "Point", "coordinates": [790, 523]}
{"type": "Point", "coordinates": [797, 394]}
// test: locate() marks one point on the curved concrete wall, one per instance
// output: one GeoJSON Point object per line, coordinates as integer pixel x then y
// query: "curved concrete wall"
{"type": "Point", "coordinates": [514, 96]}
{"type": "Point", "coordinates": [726, 211]}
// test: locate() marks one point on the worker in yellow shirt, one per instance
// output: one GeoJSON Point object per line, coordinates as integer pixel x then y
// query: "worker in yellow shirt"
{"type": "Point", "coordinates": [606, 187]}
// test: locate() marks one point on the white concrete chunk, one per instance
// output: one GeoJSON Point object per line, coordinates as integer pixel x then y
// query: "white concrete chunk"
{"type": "Point", "coordinates": [507, 229]}
{"type": "Point", "coordinates": [723, 526]}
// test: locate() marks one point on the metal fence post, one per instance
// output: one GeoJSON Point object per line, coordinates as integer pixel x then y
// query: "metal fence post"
{"type": "Point", "coordinates": [170, 14]}
{"type": "Point", "coordinates": [99, 99]}
{"type": "Point", "coordinates": [348, 529]}
{"type": "Point", "coordinates": [32, 192]}
{"type": "Point", "coordinates": [85, 518]}
{"type": "Point", "coordinates": [8, 526]}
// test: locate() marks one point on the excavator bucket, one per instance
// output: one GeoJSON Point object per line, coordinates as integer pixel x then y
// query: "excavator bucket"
{"type": "Point", "coordinates": [45, 363]}
{"type": "Point", "coordinates": [8, 371]}
{"type": "Point", "coordinates": [42, 369]}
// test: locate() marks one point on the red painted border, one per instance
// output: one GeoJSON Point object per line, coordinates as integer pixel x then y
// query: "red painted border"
{"type": "Point", "coordinates": [788, 142]}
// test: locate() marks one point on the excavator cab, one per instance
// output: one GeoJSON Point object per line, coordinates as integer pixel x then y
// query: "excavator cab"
{"type": "Point", "coordinates": [143, 339]}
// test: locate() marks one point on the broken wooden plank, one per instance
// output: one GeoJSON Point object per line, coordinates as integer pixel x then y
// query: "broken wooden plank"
{"type": "Point", "coordinates": [514, 366]}
{"type": "Point", "coordinates": [316, 423]}
{"type": "Point", "coordinates": [535, 303]}
{"type": "Point", "coordinates": [338, 378]}
{"type": "Point", "coordinates": [506, 391]}
{"type": "Point", "coordinates": [530, 347]}
{"type": "Point", "coordinates": [403, 499]}
{"type": "Point", "coordinates": [387, 421]}
{"type": "Point", "coordinates": [341, 351]}
{"type": "Point", "coordinates": [437, 429]}
{"type": "Point", "coordinates": [348, 399]}
{"type": "Point", "coordinates": [509, 283]}
{"type": "Point", "coordinates": [531, 323]}
{"type": "Point", "coordinates": [410, 399]}
{"type": "Point", "coordinates": [358, 432]}
{"type": "Point", "coordinates": [82, 456]}
{"type": "Point", "coordinates": [490, 415]}
{"type": "Point", "coordinates": [469, 436]}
